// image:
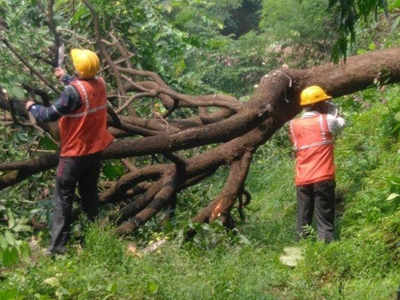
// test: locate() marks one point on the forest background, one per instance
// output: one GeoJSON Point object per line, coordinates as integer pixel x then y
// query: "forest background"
{"type": "Point", "coordinates": [206, 47]}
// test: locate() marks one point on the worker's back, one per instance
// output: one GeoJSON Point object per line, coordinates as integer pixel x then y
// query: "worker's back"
{"type": "Point", "coordinates": [313, 144]}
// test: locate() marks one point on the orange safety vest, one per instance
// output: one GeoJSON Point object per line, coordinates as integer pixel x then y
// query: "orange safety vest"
{"type": "Point", "coordinates": [85, 131]}
{"type": "Point", "coordinates": [313, 144]}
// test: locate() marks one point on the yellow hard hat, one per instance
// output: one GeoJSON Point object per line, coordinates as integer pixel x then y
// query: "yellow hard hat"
{"type": "Point", "coordinates": [313, 94]}
{"type": "Point", "coordinates": [86, 63]}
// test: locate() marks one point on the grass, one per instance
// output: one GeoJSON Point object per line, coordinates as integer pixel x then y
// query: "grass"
{"type": "Point", "coordinates": [362, 264]}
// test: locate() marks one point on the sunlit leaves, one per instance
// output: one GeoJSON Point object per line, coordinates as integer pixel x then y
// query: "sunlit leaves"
{"type": "Point", "coordinates": [47, 144]}
{"type": "Point", "coordinates": [113, 170]}
{"type": "Point", "coordinates": [348, 13]}
{"type": "Point", "coordinates": [12, 251]}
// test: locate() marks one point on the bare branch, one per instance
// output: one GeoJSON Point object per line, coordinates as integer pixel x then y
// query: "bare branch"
{"type": "Point", "coordinates": [80, 37]}
{"type": "Point", "coordinates": [190, 101]}
{"type": "Point", "coordinates": [126, 55]}
{"type": "Point", "coordinates": [169, 183]}
{"type": "Point", "coordinates": [103, 50]}
{"type": "Point", "coordinates": [33, 70]}
{"type": "Point", "coordinates": [156, 78]}
{"type": "Point", "coordinates": [131, 99]}
{"type": "Point", "coordinates": [129, 165]}
{"type": "Point", "coordinates": [52, 27]}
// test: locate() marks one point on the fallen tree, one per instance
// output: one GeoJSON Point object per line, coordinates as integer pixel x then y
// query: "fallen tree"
{"type": "Point", "coordinates": [234, 129]}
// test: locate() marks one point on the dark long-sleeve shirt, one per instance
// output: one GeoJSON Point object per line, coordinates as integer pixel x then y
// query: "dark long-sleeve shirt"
{"type": "Point", "coordinates": [68, 102]}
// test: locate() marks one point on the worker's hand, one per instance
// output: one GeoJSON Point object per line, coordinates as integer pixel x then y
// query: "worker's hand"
{"type": "Point", "coordinates": [59, 73]}
{"type": "Point", "coordinates": [28, 104]}
{"type": "Point", "coordinates": [330, 108]}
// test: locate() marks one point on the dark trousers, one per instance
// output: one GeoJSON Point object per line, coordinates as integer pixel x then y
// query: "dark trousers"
{"type": "Point", "coordinates": [82, 172]}
{"type": "Point", "coordinates": [317, 199]}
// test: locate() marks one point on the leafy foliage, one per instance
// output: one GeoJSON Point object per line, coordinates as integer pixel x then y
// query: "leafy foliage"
{"type": "Point", "coordinates": [300, 26]}
{"type": "Point", "coordinates": [349, 13]}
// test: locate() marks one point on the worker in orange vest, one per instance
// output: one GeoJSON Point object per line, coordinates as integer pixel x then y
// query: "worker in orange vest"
{"type": "Point", "coordinates": [81, 111]}
{"type": "Point", "coordinates": [313, 141]}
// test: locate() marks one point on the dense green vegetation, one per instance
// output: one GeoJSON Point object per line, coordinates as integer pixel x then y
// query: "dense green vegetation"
{"type": "Point", "coordinates": [217, 264]}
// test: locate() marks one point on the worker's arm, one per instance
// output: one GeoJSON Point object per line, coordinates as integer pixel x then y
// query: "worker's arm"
{"type": "Point", "coordinates": [335, 123]}
{"type": "Point", "coordinates": [63, 76]}
{"type": "Point", "coordinates": [68, 102]}
{"type": "Point", "coordinates": [66, 79]}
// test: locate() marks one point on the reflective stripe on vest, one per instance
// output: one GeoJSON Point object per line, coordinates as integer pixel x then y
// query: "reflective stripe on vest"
{"type": "Point", "coordinates": [323, 125]}
{"type": "Point", "coordinates": [314, 149]}
{"type": "Point", "coordinates": [85, 131]}
{"type": "Point", "coordinates": [86, 104]}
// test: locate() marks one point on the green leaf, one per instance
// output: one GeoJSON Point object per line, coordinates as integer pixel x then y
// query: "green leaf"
{"type": "Point", "coordinates": [372, 46]}
{"type": "Point", "coordinates": [22, 228]}
{"type": "Point", "coordinates": [395, 24]}
{"type": "Point", "coordinates": [152, 287]}
{"type": "Point", "coordinates": [180, 67]}
{"type": "Point", "coordinates": [80, 13]}
{"type": "Point", "coordinates": [9, 238]}
{"type": "Point", "coordinates": [11, 219]}
{"type": "Point", "coordinates": [16, 92]}
{"type": "Point", "coordinates": [168, 8]}
{"type": "Point", "coordinates": [244, 239]}
{"type": "Point", "coordinates": [61, 293]}
{"type": "Point", "coordinates": [205, 227]}
{"type": "Point", "coordinates": [46, 143]}
{"type": "Point", "coordinates": [3, 242]}
{"type": "Point", "coordinates": [394, 180]}
{"type": "Point", "coordinates": [113, 171]}
{"type": "Point", "coordinates": [52, 281]}
{"type": "Point", "coordinates": [10, 256]}
{"type": "Point", "coordinates": [392, 196]}
{"type": "Point", "coordinates": [112, 288]}
{"type": "Point", "coordinates": [43, 297]}
{"type": "Point", "coordinates": [361, 51]}
{"type": "Point", "coordinates": [395, 4]}
{"type": "Point", "coordinates": [25, 252]}
{"type": "Point", "coordinates": [291, 256]}
{"type": "Point", "coordinates": [393, 131]}
{"type": "Point", "coordinates": [11, 294]}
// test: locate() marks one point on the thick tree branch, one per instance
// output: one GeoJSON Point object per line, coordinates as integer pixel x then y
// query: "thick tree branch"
{"type": "Point", "coordinates": [19, 171]}
{"type": "Point", "coordinates": [231, 191]}
{"type": "Point", "coordinates": [166, 192]}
